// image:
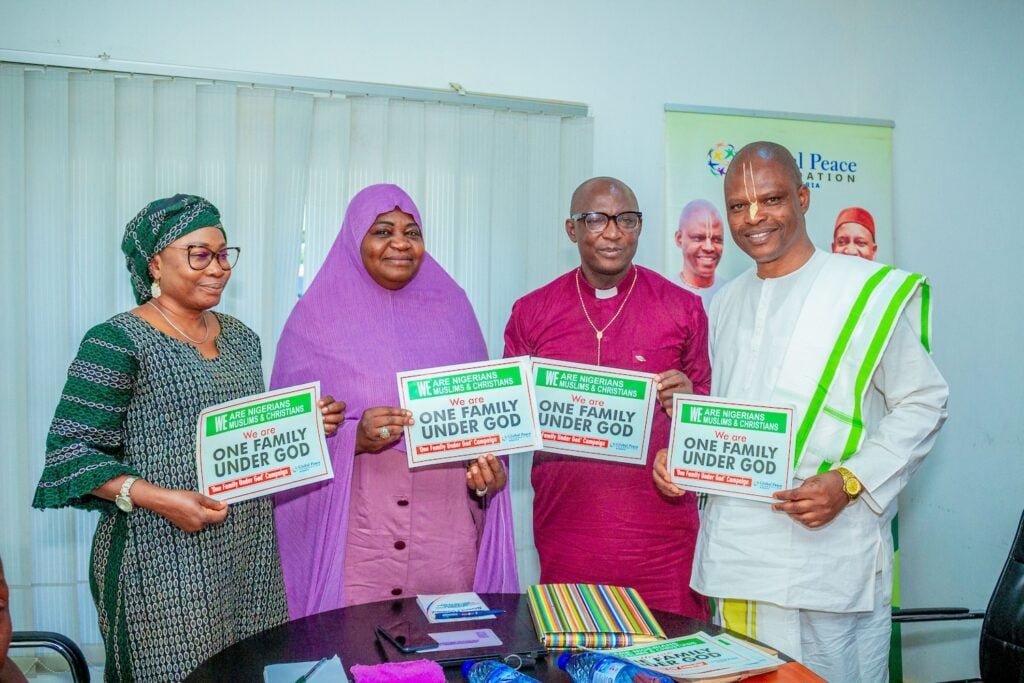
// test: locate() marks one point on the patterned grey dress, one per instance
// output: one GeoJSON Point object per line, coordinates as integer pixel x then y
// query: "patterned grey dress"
{"type": "Point", "coordinates": [167, 599]}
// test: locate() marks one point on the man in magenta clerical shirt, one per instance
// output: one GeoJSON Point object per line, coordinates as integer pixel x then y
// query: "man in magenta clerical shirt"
{"type": "Point", "coordinates": [604, 522]}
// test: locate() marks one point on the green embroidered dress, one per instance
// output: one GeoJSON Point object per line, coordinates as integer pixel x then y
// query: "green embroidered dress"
{"type": "Point", "coordinates": [167, 599]}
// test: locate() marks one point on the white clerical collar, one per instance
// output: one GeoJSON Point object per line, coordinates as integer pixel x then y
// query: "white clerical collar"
{"type": "Point", "coordinates": [606, 293]}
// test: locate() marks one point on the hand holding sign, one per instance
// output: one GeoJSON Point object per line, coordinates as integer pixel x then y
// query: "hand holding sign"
{"type": "Point", "coordinates": [661, 479]}
{"type": "Point", "coordinates": [486, 474]}
{"type": "Point", "coordinates": [669, 383]}
{"type": "Point", "coordinates": [380, 427]}
{"type": "Point", "coordinates": [189, 510]}
{"type": "Point", "coordinates": [816, 502]}
{"type": "Point", "coordinates": [333, 414]}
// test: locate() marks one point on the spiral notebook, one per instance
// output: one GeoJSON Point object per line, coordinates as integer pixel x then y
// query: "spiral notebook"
{"type": "Point", "coordinates": [578, 615]}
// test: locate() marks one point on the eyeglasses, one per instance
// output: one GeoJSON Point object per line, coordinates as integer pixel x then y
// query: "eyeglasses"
{"type": "Point", "coordinates": [596, 221]}
{"type": "Point", "coordinates": [199, 258]}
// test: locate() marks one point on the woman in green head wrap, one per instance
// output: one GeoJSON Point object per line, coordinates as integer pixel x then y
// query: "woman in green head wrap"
{"type": "Point", "coordinates": [176, 576]}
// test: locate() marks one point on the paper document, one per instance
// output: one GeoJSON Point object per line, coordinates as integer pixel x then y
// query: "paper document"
{"type": "Point", "coordinates": [594, 412]}
{"type": "Point", "coordinates": [464, 640]}
{"type": "Point", "coordinates": [443, 609]}
{"type": "Point", "coordinates": [700, 656]}
{"type": "Point", "coordinates": [332, 671]}
{"type": "Point", "coordinates": [462, 411]}
{"type": "Point", "coordinates": [262, 444]}
{"type": "Point", "coordinates": [730, 448]}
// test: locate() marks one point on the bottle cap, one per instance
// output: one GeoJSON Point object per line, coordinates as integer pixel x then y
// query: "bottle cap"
{"type": "Point", "coordinates": [466, 666]}
{"type": "Point", "coordinates": [563, 660]}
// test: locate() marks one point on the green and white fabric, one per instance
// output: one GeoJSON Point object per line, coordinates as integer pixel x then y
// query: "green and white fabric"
{"type": "Point", "coordinates": [827, 375]}
{"type": "Point", "coordinates": [840, 339]}
{"type": "Point", "coordinates": [156, 226]}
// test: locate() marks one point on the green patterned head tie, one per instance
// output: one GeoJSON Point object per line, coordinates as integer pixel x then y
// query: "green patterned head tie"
{"type": "Point", "coordinates": [156, 226]}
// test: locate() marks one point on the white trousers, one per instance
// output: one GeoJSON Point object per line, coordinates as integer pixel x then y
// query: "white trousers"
{"type": "Point", "coordinates": [850, 647]}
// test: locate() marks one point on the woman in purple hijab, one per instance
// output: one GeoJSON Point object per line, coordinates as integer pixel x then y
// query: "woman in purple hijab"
{"type": "Point", "coordinates": [380, 305]}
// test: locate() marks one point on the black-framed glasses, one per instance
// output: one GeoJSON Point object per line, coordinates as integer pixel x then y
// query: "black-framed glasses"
{"type": "Point", "coordinates": [597, 221]}
{"type": "Point", "coordinates": [200, 257]}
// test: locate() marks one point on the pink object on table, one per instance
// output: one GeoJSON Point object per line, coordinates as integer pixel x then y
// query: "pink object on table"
{"type": "Point", "coordinates": [418, 671]}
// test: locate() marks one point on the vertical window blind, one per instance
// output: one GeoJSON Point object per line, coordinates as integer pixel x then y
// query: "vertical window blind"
{"type": "Point", "coordinates": [81, 151]}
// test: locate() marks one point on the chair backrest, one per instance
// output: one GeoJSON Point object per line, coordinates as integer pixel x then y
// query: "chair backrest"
{"type": "Point", "coordinates": [1001, 656]}
{"type": "Point", "coordinates": [66, 647]}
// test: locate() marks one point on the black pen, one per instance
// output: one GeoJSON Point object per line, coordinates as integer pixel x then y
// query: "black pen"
{"type": "Point", "coordinates": [309, 674]}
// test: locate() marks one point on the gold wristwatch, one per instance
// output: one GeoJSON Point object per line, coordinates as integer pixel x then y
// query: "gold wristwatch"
{"type": "Point", "coordinates": [851, 484]}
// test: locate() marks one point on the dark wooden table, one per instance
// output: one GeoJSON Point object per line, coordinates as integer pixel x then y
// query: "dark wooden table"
{"type": "Point", "coordinates": [349, 633]}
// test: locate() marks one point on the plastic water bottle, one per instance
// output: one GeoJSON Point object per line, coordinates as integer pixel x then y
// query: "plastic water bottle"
{"type": "Point", "coordinates": [492, 671]}
{"type": "Point", "coordinates": [597, 667]}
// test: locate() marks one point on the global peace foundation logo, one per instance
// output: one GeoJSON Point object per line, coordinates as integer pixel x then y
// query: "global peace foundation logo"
{"type": "Point", "coordinates": [719, 157]}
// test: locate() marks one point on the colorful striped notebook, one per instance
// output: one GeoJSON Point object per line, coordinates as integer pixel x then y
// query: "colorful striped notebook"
{"type": "Point", "coordinates": [577, 615]}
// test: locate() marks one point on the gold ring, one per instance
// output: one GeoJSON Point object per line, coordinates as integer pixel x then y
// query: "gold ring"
{"type": "Point", "coordinates": [385, 433]}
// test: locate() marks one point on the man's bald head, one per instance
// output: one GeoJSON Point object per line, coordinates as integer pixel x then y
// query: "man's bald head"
{"type": "Point", "coordinates": [697, 210]}
{"type": "Point", "coordinates": [700, 237]}
{"type": "Point", "coordinates": [606, 247]}
{"type": "Point", "coordinates": [765, 202]}
{"type": "Point", "coordinates": [602, 184]}
{"type": "Point", "coordinates": [768, 151]}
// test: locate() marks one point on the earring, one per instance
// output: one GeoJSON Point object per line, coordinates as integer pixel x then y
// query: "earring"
{"type": "Point", "coordinates": [154, 289]}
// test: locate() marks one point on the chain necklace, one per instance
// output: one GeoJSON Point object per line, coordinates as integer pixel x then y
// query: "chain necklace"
{"type": "Point", "coordinates": [197, 342]}
{"type": "Point", "coordinates": [599, 333]}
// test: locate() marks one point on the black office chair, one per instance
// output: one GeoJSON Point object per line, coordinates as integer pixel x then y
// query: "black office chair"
{"type": "Point", "coordinates": [1001, 649]}
{"type": "Point", "coordinates": [63, 645]}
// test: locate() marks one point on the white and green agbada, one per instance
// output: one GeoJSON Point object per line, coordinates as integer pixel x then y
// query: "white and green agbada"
{"type": "Point", "coordinates": [846, 342]}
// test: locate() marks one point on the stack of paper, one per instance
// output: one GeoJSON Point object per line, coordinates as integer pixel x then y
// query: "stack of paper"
{"type": "Point", "coordinates": [330, 671]}
{"type": "Point", "coordinates": [576, 615]}
{"type": "Point", "coordinates": [442, 609]}
{"type": "Point", "coordinates": [701, 657]}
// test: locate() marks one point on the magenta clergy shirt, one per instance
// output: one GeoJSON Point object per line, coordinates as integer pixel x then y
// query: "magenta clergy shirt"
{"type": "Point", "coordinates": [600, 522]}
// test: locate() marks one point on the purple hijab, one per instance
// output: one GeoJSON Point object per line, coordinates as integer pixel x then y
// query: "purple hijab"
{"type": "Point", "coordinates": [354, 335]}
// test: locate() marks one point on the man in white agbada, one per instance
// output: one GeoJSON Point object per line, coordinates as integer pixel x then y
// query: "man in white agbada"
{"type": "Point", "coordinates": [844, 341]}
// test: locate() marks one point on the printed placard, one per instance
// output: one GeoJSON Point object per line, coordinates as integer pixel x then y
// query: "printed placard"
{"type": "Point", "coordinates": [594, 412]}
{"type": "Point", "coordinates": [700, 656]}
{"type": "Point", "coordinates": [730, 448]}
{"type": "Point", "coordinates": [465, 410]}
{"type": "Point", "coordinates": [262, 444]}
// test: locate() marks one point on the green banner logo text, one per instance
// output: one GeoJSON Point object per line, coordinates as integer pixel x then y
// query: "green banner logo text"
{"type": "Point", "coordinates": [735, 418]}
{"type": "Point", "coordinates": [464, 382]}
{"type": "Point", "coordinates": [258, 413]}
{"type": "Point", "coordinates": [603, 385]}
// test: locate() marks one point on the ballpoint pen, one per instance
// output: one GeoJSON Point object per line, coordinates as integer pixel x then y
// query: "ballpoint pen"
{"type": "Point", "coordinates": [309, 674]}
{"type": "Point", "coordinates": [468, 613]}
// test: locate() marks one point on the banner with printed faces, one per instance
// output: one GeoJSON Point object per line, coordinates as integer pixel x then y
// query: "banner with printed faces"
{"type": "Point", "coordinates": [845, 163]}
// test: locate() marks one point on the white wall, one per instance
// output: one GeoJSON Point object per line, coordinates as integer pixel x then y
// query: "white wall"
{"type": "Point", "coordinates": [947, 72]}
